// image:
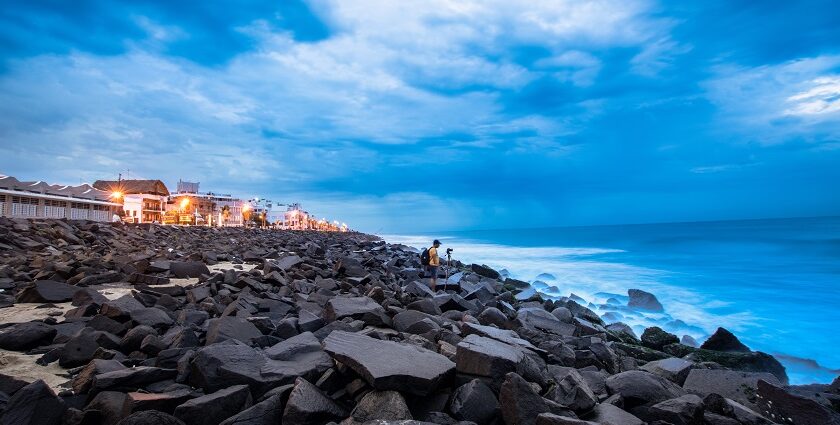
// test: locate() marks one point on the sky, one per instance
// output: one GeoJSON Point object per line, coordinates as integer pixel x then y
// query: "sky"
{"type": "Point", "coordinates": [417, 116]}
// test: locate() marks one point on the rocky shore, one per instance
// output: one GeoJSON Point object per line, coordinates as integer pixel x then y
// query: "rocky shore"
{"type": "Point", "coordinates": [169, 325]}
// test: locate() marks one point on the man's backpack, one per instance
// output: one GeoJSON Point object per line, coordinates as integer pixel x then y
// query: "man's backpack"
{"type": "Point", "coordinates": [425, 258]}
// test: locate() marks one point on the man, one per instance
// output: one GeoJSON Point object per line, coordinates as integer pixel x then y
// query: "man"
{"type": "Point", "coordinates": [434, 263]}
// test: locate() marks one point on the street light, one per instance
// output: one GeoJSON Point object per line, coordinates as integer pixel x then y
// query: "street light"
{"type": "Point", "coordinates": [117, 195]}
{"type": "Point", "coordinates": [185, 203]}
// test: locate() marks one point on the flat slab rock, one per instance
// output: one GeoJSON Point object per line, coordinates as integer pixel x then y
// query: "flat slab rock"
{"type": "Point", "coordinates": [387, 365]}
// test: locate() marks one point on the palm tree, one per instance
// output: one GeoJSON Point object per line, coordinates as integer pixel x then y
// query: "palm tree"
{"type": "Point", "coordinates": [225, 214]}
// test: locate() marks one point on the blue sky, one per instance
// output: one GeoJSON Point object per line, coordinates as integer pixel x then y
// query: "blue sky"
{"type": "Point", "coordinates": [437, 115]}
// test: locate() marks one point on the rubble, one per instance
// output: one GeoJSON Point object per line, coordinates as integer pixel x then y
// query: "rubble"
{"type": "Point", "coordinates": [253, 327]}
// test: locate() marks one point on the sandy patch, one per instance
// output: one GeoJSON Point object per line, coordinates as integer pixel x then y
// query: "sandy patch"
{"type": "Point", "coordinates": [226, 265]}
{"type": "Point", "coordinates": [27, 312]}
{"type": "Point", "coordinates": [23, 367]}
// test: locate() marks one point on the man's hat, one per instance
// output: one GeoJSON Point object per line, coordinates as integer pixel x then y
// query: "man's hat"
{"type": "Point", "coordinates": [436, 242]}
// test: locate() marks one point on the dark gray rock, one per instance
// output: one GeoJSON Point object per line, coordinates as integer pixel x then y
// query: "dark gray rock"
{"type": "Point", "coordinates": [300, 355]}
{"type": "Point", "coordinates": [46, 291]}
{"type": "Point", "coordinates": [415, 322]}
{"type": "Point", "coordinates": [130, 378]}
{"type": "Point", "coordinates": [212, 409]}
{"type": "Point", "coordinates": [537, 318]}
{"type": "Point", "coordinates": [775, 402]}
{"type": "Point", "coordinates": [736, 385]}
{"type": "Point", "coordinates": [684, 410]}
{"type": "Point", "coordinates": [475, 402]}
{"type": "Point", "coordinates": [388, 365]}
{"type": "Point", "coordinates": [150, 417]}
{"type": "Point", "coordinates": [34, 404]}
{"type": "Point", "coordinates": [481, 356]}
{"type": "Point", "coordinates": [483, 270]}
{"type": "Point", "coordinates": [225, 328]}
{"type": "Point", "coordinates": [185, 269]}
{"type": "Point", "coordinates": [381, 405]}
{"type": "Point", "coordinates": [673, 369]}
{"type": "Point", "coordinates": [308, 405]}
{"type": "Point", "coordinates": [133, 339]}
{"type": "Point", "coordinates": [656, 338]}
{"type": "Point", "coordinates": [562, 314]}
{"type": "Point", "coordinates": [608, 414]}
{"type": "Point", "coordinates": [643, 301]}
{"type": "Point", "coordinates": [266, 412]}
{"type": "Point", "coordinates": [493, 316]}
{"type": "Point", "coordinates": [552, 419]}
{"type": "Point", "coordinates": [81, 348]}
{"type": "Point", "coordinates": [82, 382]}
{"type": "Point", "coordinates": [748, 362]}
{"type": "Point", "coordinates": [152, 317]}
{"type": "Point", "coordinates": [723, 340]}
{"type": "Point", "coordinates": [571, 391]}
{"type": "Point", "coordinates": [640, 387]}
{"type": "Point", "coordinates": [220, 366]}
{"type": "Point", "coordinates": [521, 405]}
{"type": "Point", "coordinates": [24, 336]}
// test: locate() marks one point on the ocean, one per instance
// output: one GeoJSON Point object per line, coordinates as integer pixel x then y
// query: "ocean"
{"type": "Point", "coordinates": [774, 283]}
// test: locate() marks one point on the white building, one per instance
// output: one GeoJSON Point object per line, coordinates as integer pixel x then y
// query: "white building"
{"type": "Point", "coordinates": [143, 201]}
{"type": "Point", "coordinates": [23, 199]}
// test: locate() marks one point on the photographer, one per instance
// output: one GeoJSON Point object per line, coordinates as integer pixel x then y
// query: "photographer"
{"type": "Point", "coordinates": [434, 263]}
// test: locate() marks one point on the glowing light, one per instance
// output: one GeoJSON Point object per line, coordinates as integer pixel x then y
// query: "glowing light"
{"type": "Point", "coordinates": [245, 207]}
{"type": "Point", "coordinates": [185, 203]}
{"type": "Point", "coordinates": [117, 195]}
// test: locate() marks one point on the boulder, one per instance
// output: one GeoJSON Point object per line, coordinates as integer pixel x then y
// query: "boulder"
{"type": "Point", "coordinates": [308, 405]}
{"type": "Point", "coordinates": [150, 417]}
{"type": "Point", "coordinates": [483, 270]}
{"type": "Point", "coordinates": [388, 365]}
{"type": "Point", "coordinates": [46, 291]}
{"type": "Point", "coordinates": [220, 366]}
{"type": "Point", "coordinates": [415, 322]}
{"type": "Point", "coordinates": [81, 348]}
{"type": "Point", "coordinates": [110, 406]}
{"type": "Point", "coordinates": [212, 409]}
{"type": "Point", "coordinates": [537, 318]}
{"type": "Point", "coordinates": [552, 419]}
{"type": "Point", "coordinates": [24, 336]}
{"type": "Point", "coordinates": [130, 378]}
{"type": "Point", "coordinates": [493, 316]}
{"type": "Point", "coordinates": [639, 387]}
{"type": "Point", "coordinates": [381, 405]}
{"type": "Point", "coordinates": [475, 402]}
{"type": "Point", "coordinates": [736, 385]}
{"type": "Point", "coordinates": [83, 381]}
{"type": "Point", "coordinates": [608, 414]}
{"type": "Point", "coordinates": [34, 404]}
{"type": "Point", "coordinates": [359, 308]}
{"type": "Point", "coordinates": [774, 402]}
{"type": "Point", "coordinates": [225, 328]}
{"type": "Point", "coordinates": [503, 335]}
{"type": "Point", "coordinates": [152, 317]}
{"type": "Point", "coordinates": [673, 369]}
{"type": "Point", "coordinates": [298, 356]}
{"type": "Point", "coordinates": [266, 412]}
{"type": "Point", "coordinates": [642, 300]}
{"type": "Point", "coordinates": [723, 340]}
{"type": "Point", "coordinates": [167, 401]}
{"type": "Point", "coordinates": [481, 356]}
{"type": "Point", "coordinates": [656, 338]}
{"type": "Point", "coordinates": [748, 362]}
{"type": "Point", "coordinates": [521, 405]}
{"type": "Point", "coordinates": [572, 391]}
{"type": "Point", "coordinates": [684, 410]}
{"type": "Point", "coordinates": [185, 269]}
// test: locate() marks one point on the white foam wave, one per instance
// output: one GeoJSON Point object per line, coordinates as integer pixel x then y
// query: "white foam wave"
{"type": "Point", "coordinates": [579, 270]}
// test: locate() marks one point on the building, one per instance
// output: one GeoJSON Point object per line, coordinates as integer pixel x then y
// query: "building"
{"type": "Point", "coordinates": [209, 209]}
{"type": "Point", "coordinates": [296, 218]}
{"type": "Point", "coordinates": [23, 199]}
{"type": "Point", "coordinates": [143, 201]}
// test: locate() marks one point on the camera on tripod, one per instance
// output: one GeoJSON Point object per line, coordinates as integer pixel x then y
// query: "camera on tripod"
{"type": "Point", "coordinates": [448, 251]}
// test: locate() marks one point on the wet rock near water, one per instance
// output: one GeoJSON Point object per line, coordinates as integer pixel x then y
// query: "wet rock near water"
{"type": "Point", "coordinates": [308, 327]}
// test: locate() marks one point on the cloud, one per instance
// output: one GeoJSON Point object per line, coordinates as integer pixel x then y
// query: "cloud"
{"type": "Point", "coordinates": [780, 102]}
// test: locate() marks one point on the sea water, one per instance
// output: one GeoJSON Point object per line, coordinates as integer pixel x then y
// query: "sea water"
{"type": "Point", "coordinates": [773, 283]}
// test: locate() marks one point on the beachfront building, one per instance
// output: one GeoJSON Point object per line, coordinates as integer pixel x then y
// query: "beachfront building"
{"type": "Point", "coordinates": [296, 218]}
{"type": "Point", "coordinates": [24, 199]}
{"type": "Point", "coordinates": [143, 201]}
{"type": "Point", "coordinates": [190, 207]}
